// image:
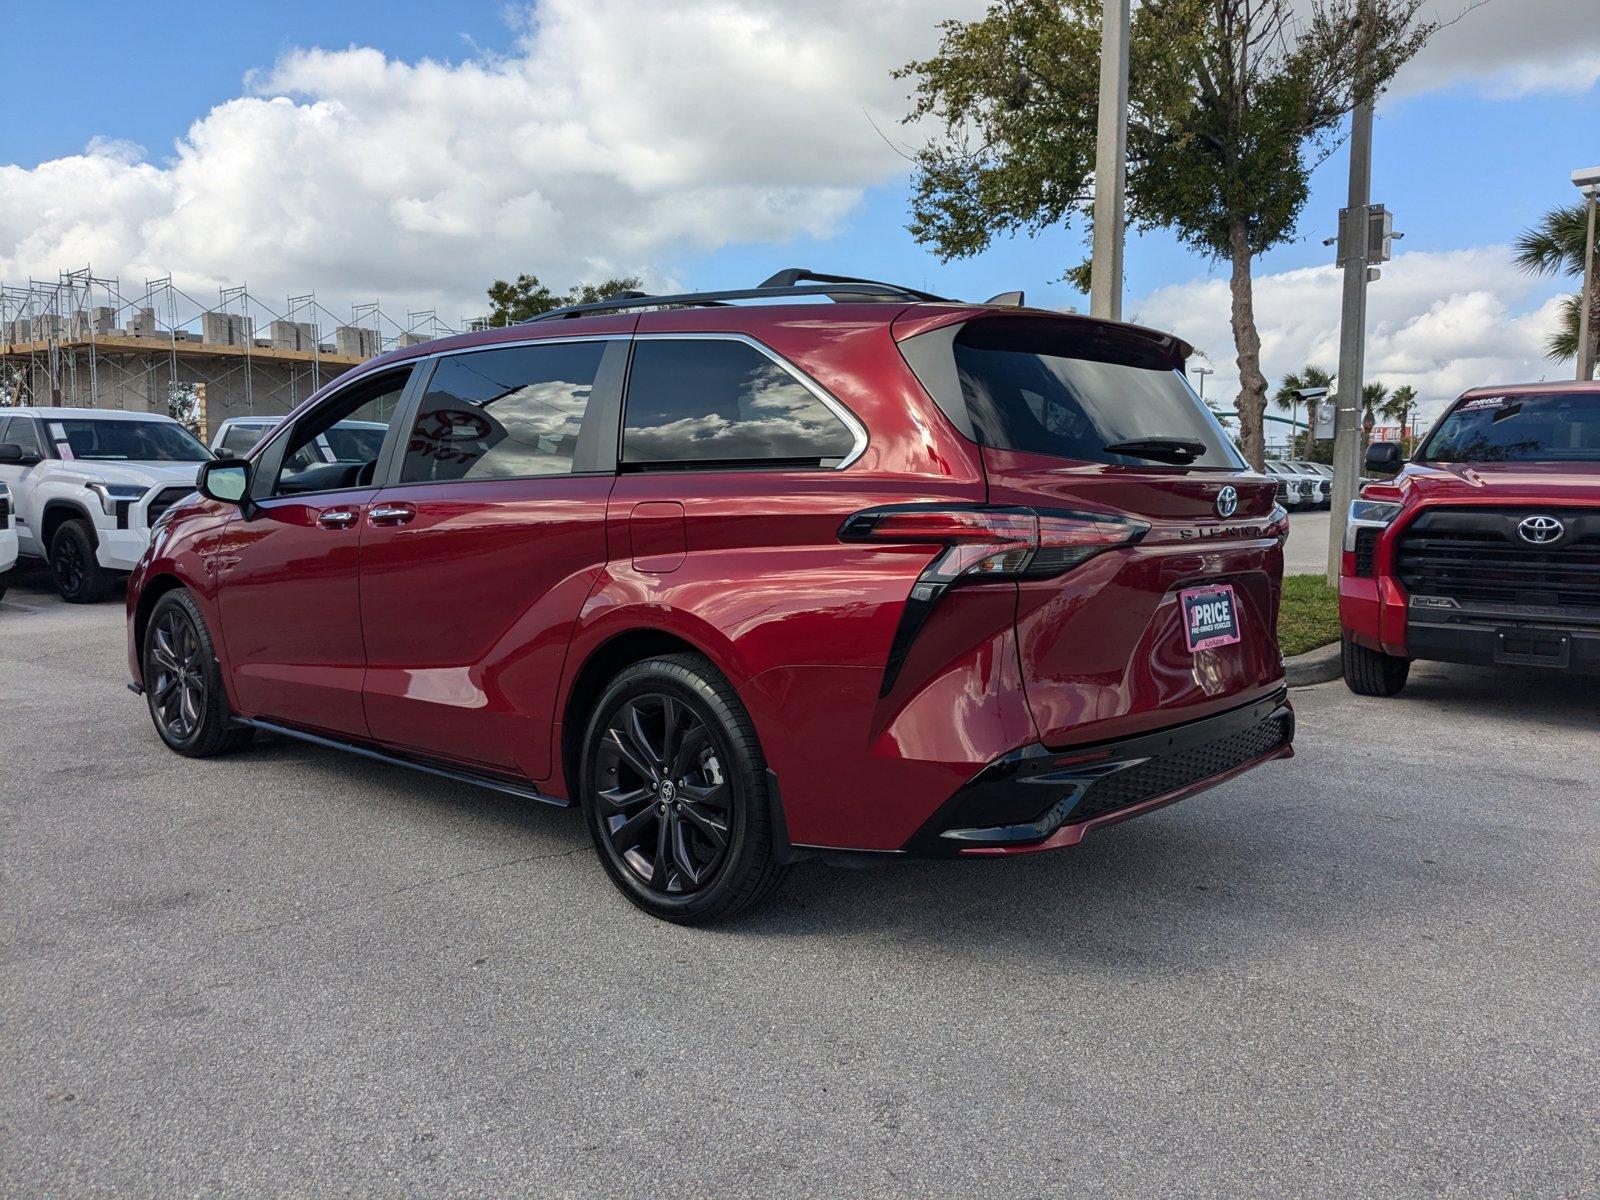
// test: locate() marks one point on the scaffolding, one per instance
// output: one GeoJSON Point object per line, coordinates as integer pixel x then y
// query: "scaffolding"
{"type": "Point", "coordinates": [82, 341]}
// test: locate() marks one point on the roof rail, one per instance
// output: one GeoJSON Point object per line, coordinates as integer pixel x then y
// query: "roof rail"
{"type": "Point", "coordinates": [784, 284]}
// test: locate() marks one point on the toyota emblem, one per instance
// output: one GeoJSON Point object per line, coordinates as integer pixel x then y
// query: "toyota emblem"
{"type": "Point", "coordinates": [1540, 529]}
{"type": "Point", "coordinates": [1228, 502]}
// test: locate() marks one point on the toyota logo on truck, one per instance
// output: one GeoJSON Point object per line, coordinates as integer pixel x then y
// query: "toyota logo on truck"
{"type": "Point", "coordinates": [1540, 530]}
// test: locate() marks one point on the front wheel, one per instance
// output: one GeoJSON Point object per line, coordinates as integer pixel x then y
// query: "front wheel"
{"type": "Point", "coordinates": [77, 574]}
{"type": "Point", "coordinates": [1372, 672]}
{"type": "Point", "coordinates": [675, 792]}
{"type": "Point", "coordinates": [183, 682]}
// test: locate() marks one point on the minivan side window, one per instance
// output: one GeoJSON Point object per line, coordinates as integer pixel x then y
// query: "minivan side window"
{"type": "Point", "coordinates": [365, 409]}
{"type": "Point", "coordinates": [513, 413]}
{"type": "Point", "coordinates": [717, 402]}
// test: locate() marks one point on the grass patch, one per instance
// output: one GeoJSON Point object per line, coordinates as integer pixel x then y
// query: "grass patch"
{"type": "Point", "coordinates": [1309, 616]}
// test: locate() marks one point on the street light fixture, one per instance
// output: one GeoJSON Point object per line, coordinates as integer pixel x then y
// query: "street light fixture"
{"type": "Point", "coordinates": [1587, 180]}
{"type": "Point", "coordinates": [1203, 372]}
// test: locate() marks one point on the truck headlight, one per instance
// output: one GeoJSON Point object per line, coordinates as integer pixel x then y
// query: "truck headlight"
{"type": "Point", "coordinates": [112, 494]}
{"type": "Point", "coordinates": [1369, 514]}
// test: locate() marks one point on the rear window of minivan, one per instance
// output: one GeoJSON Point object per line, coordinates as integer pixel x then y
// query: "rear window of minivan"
{"type": "Point", "coordinates": [1042, 387]}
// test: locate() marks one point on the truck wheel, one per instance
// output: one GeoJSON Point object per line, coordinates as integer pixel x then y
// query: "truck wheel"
{"type": "Point", "coordinates": [183, 683]}
{"type": "Point", "coordinates": [1371, 672]}
{"type": "Point", "coordinates": [675, 792]}
{"type": "Point", "coordinates": [78, 576]}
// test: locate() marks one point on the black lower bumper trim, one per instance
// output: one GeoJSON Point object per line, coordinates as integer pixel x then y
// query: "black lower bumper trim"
{"type": "Point", "coordinates": [1029, 794]}
{"type": "Point", "coordinates": [1558, 647]}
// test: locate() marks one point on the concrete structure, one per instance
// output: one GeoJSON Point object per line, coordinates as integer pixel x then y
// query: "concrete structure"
{"type": "Point", "coordinates": [78, 341]}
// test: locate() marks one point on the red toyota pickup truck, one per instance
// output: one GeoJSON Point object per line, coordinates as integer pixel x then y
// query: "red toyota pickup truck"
{"type": "Point", "coordinates": [1485, 547]}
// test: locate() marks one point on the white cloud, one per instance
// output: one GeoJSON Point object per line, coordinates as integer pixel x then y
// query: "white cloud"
{"type": "Point", "coordinates": [615, 137]}
{"type": "Point", "coordinates": [1509, 48]}
{"type": "Point", "coordinates": [1441, 322]}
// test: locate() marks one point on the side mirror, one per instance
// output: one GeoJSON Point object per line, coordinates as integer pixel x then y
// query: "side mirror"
{"type": "Point", "coordinates": [16, 456]}
{"type": "Point", "coordinates": [1384, 458]}
{"type": "Point", "coordinates": [224, 452]}
{"type": "Point", "coordinates": [226, 480]}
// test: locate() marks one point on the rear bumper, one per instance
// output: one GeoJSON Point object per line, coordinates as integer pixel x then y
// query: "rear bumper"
{"type": "Point", "coordinates": [1039, 799]}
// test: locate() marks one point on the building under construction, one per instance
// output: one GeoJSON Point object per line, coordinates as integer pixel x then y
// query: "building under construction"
{"type": "Point", "coordinates": [81, 340]}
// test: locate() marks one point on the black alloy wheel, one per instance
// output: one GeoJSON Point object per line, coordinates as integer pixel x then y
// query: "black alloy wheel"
{"type": "Point", "coordinates": [662, 794]}
{"type": "Point", "coordinates": [175, 675]}
{"type": "Point", "coordinates": [183, 683]}
{"type": "Point", "coordinates": [676, 792]}
{"type": "Point", "coordinates": [78, 577]}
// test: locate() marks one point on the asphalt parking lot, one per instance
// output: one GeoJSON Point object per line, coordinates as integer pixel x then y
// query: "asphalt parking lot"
{"type": "Point", "coordinates": [1370, 970]}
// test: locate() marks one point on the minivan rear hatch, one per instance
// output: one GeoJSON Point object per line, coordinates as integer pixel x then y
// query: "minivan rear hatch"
{"type": "Point", "coordinates": [1082, 416]}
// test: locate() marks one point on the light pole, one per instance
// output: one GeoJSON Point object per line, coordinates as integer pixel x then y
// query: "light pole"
{"type": "Point", "coordinates": [1203, 372]}
{"type": "Point", "coordinates": [1587, 181]}
{"type": "Point", "coordinates": [1110, 165]}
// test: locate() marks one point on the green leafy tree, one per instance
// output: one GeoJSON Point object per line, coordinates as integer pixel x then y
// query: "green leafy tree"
{"type": "Point", "coordinates": [1398, 407]}
{"type": "Point", "coordinates": [1555, 247]}
{"type": "Point", "coordinates": [1288, 399]}
{"type": "Point", "coordinates": [1374, 396]}
{"type": "Point", "coordinates": [524, 297]}
{"type": "Point", "coordinates": [1232, 103]}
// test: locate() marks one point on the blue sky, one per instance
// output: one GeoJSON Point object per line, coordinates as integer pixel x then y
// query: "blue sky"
{"type": "Point", "coordinates": [1480, 142]}
{"type": "Point", "coordinates": [1456, 167]}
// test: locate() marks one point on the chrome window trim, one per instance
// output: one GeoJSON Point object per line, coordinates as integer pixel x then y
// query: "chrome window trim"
{"type": "Point", "coordinates": [848, 419]}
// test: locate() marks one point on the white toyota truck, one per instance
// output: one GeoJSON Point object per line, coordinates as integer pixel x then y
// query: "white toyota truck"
{"type": "Point", "coordinates": [87, 485]}
{"type": "Point", "coordinates": [8, 539]}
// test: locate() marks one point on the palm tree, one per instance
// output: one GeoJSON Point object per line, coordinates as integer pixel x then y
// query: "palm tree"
{"type": "Point", "coordinates": [1288, 399]}
{"type": "Point", "coordinates": [1373, 397]}
{"type": "Point", "coordinates": [1555, 247]}
{"type": "Point", "coordinates": [1398, 407]}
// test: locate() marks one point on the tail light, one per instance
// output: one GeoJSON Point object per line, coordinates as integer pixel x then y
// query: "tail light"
{"type": "Point", "coordinates": [982, 544]}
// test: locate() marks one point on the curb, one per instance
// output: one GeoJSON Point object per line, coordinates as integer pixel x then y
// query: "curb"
{"type": "Point", "coordinates": [1314, 666]}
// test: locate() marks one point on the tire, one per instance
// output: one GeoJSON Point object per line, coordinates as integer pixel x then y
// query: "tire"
{"type": "Point", "coordinates": [655, 830]}
{"type": "Point", "coordinates": [1371, 672]}
{"type": "Point", "coordinates": [78, 576]}
{"type": "Point", "coordinates": [183, 681]}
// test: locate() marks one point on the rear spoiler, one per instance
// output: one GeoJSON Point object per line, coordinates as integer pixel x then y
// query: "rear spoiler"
{"type": "Point", "coordinates": [1118, 341]}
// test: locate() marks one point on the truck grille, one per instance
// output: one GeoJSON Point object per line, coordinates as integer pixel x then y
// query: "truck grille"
{"type": "Point", "coordinates": [163, 500]}
{"type": "Point", "coordinates": [1173, 772]}
{"type": "Point", "coordinates": [1478, 557]}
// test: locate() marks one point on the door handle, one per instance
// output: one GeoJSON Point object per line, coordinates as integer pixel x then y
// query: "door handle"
{"type": "Point", "coordinates": [391, 514]}
{"type": "Point", "coordinates": [337, 518]}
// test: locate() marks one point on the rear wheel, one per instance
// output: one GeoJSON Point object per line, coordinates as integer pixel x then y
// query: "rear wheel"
{"type": "Point", "coordinates": [675, 792]}
{"type": "Point", "coordinates": [183, 683]}
{"type": "Point", "coordinates": [1372, 672]}
{"type": "Point", "coordinates": [78, 576]}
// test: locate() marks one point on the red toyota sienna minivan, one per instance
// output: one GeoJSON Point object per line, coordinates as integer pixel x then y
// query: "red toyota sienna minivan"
{"type": "Point", "coordinates": [827, 566]}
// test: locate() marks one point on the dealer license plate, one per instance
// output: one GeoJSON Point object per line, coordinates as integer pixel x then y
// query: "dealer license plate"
{"type": "Point", "coordinates": [1210, 616]}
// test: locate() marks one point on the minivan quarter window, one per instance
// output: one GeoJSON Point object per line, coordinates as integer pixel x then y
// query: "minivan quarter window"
{"type": "Point", "coordinates": [511, 413]}
{"type": "Point", "coordinates": [707, 402]}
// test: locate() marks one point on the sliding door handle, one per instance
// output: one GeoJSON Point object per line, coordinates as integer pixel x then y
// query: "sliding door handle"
{"type": "Point", "coordinates": [391, 514]}
{"type": "Point", "coordinates": [337, 518]}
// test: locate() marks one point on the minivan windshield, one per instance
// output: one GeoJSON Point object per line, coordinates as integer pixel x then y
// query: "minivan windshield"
{"type": "Point", "coordinates": [102, 438]}
{"type": "Point", "coordinates": [1537, 427]}
{"type": "Point", "coordinates": [1040, 387]}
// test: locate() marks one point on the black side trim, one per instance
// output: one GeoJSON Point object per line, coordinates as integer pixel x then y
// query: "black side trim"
{"type": "Point", "coordinates": [455, 774]}
{"type": "Point", "coordinates": [782, 847]}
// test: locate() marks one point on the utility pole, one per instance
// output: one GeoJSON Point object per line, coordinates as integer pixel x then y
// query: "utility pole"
{"type": "Point", "coordinates": [1110, 165]}
{"type": "Point", "coordinates": [1589, 181]}
{"type": "Point", "coordinates": [1353, 239]}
